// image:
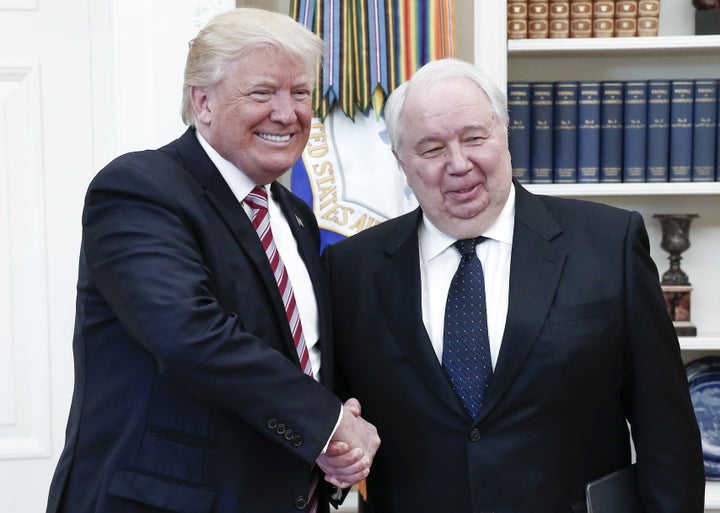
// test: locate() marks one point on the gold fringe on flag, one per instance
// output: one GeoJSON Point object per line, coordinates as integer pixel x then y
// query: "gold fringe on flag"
{"type": "Point", "coordinates": [362, 489]}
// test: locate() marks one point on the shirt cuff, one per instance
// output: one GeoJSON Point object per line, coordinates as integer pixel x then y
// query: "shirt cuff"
{"type": "Point", "coordinates": [340, 416]}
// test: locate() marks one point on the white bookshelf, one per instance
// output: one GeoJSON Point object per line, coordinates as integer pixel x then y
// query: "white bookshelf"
{"type": "Point", "coordinates": [675, 53]}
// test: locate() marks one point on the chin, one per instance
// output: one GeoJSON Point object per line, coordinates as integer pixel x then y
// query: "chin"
{"type": "Point", "coordinates": [470, 212]}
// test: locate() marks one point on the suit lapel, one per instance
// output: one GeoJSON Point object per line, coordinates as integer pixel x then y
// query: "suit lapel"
{"type": "Point", "coordinates": [535, 272]}
{"type": "Point", "coordinates": [398, 284]}
{"type": "Point", "coordinates": [222, 199]}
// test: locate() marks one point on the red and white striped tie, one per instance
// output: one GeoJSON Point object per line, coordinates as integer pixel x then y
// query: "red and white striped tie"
{"type": "Point", "coordinates": [258, 202]}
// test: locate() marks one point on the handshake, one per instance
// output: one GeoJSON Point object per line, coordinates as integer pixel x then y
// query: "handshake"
{"type": "Point", "coordinates": [351, 450]}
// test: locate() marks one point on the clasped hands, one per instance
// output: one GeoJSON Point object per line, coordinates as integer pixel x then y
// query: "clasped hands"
{"type": "Point", "coordinates": [351, 450]}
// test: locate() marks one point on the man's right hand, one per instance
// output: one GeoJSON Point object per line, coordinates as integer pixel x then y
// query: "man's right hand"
{"type": "Point", "coordinates": [351, 450]}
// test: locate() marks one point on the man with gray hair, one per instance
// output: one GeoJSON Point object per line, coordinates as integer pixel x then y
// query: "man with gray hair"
{"type": "Point", "coordinates": [502, 341]}
{"type": "Point", "coordinates": [203, 357]}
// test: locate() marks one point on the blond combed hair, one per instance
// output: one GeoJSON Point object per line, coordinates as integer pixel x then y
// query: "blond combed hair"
{"type": "Point", "coordinates": [237, 32]}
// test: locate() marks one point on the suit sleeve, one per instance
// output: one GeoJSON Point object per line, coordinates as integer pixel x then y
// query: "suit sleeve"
{"type": "Point", "coordinates": [665, 433]}
{"type": "Point", "coordinates": [143, 254]}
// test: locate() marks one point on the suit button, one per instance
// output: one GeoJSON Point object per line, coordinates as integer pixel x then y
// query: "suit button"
{"type": "Point", "coordinates": [297, 441]}
{"type": "Point", "coordinates": [289, 435]}
{"type": "Point", "coordinates": [475, 435]}
{"type": "Point", "coordinates": [280, 429]}
{"type": "Point", "coordinates": [272, 423]}
{"type": "Point", "coordinates": [300, 502]}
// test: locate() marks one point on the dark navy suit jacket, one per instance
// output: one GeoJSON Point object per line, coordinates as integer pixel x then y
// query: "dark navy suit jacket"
{"type": "Point", "coordinates": [188, 392]}
{"type": "Point", "coordinates": [588, 347]}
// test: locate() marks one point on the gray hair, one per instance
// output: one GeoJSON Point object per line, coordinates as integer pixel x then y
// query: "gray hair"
{"type": "Point", "coordinates": [432, 73]}
{"type": "Point", "coordinates": [235, 33]}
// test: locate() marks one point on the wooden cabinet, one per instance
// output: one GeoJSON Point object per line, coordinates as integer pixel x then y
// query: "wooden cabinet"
{"type": "Point", "coordinates": [675, 53]}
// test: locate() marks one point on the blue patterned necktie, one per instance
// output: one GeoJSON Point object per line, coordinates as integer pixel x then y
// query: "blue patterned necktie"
{"type": "Point", "coordinates": [466, 346]}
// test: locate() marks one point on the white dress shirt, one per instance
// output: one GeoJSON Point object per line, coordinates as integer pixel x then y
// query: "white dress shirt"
{"type": "Point", "coordinates": [286, 244]}
{"type": "Point", "coordinates": [438, 262]}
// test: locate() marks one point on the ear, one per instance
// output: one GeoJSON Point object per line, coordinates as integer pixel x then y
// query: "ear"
{"type": "Point", "coordinates": [399, 160]}
{"type": "Point", "coordinates": [200, 99]}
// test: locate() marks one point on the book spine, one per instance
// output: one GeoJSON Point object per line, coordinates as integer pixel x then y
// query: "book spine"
{"type": "Point", "coordinates": [658, 130]}
{"type": "Point", "coordinates": [588, 132]}
{"type": "Point", "coordinates": [538, 19]}
{"type": "Point", "coordinates": [648, 18]}
{"type": "Point", "coordinates": [611, 134]}
{"type": "Point", "coordinates": [634, 131]}
{"type": "Point", "coordinates": [626, 9]}
{"type": "Point", "coordinates": [603, 18]}
{"type": "Point", "coordinates": [681, 129]}
{"type": "Point", "coordinates": [541, 133]}
{"type": "Point", "coordinates": [517, 16]}
{"type": "Point", "coordinates": [580, 18]}
{"type": "Point", "coordinates": [717, 142]}
{"type": "Point", "coordinates": [565, 122]}
{"type": "Point", "coordinates": [519, 136]}
{"type": "Point", "coordinates": [626, 16]}
{"type": "Point", "coordinates": [559, 19]}
{"type": "Point", "coordinates": [647, 27]}
{"type": "Point", "coordinates": [705, 109]}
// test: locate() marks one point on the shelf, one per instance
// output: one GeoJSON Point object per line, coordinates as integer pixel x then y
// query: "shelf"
{"type": "Point", "coordinates": [712, 495]}
{"type": "Point", "coordinates": [664, 45]}
{"type": "Point", "coordinates": [706, 343]}
{"type": "Point", "coordinates": [627, 189]}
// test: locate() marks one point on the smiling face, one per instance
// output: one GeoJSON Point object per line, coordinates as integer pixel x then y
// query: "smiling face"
{"type": "Point", "coordinates": [258, 115]}
{"type": "Point", "coordinates": [455, 155]}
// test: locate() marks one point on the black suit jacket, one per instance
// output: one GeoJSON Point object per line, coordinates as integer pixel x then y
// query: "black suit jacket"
{"type": "Point", "coordinates": [188, 392]}
{"type": "Point", "coordinates": [588, 346]}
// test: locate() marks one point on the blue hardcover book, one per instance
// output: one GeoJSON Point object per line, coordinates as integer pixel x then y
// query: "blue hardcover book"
{"type": "Point", "coordinates": [519, 136]}
{"type": "Point", "coordinates": [705, 121]}
{"type": "Point", "coordinates": [588, 142]}
{"type": "Point", "coordinates": [565, 122]}
{"type": "Point", "coordinates": [541, 133]}
{"type": "Point", "coordinates": [681, 130]}
{"type": "Point", "coordinates": [634, 130]}
{"type": "Point", "coordinates": [658, 131]}
{"type": "Point", "coordinates": [611, 133]}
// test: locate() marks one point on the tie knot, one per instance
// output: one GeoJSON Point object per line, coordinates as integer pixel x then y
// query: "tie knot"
{"type": "Point", "coordinates": [258, 198]}
{"type": "Point", "coordinates": [466, 247]}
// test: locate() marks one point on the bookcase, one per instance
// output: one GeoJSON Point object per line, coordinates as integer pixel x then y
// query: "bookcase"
{"type": "Point", "coordinates": [676, 53]}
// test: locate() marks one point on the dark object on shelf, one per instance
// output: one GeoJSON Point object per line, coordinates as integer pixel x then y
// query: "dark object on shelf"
{"type": "Point", "coordinates": [707, 17]}
{"type": "Point", "coordinates": [704, 5]}
{"type": "Point", "coordinates": [675, 240]}
{"type": "Point", "coordinates": [675, 283]}
{"type": "Point", "coordinates": [707, 21]}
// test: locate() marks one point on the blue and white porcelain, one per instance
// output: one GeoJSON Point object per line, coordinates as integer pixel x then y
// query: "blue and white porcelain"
{"type": "Point", "coordinates": [704, 380]}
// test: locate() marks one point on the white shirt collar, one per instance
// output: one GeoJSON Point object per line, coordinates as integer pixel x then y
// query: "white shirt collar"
{"type": "Point", "coordinates": [433, 241]}
{"type": "Point", "coordinates": [240, 184]}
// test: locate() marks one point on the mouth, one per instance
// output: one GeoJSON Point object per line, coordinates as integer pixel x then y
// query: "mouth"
{"type": "Point", "coordinates": [275, 138]}
{"type": "Point", "coordinates": [463, 193]}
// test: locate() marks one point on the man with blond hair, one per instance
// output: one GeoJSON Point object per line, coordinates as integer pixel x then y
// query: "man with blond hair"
{"type": "Point", "coordinates": [202, 343]}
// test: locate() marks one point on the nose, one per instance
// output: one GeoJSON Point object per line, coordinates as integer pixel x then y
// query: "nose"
{"type": "Point", "coordinates": [457, 161]}
{"type": "Point", "coordinates": [283, 108]}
